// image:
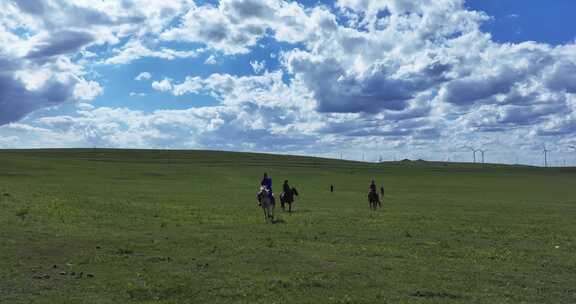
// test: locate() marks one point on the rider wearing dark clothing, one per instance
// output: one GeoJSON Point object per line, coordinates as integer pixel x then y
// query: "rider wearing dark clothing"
{"type": "Point", "coordinates": [267, 183]}
{"type": "Point", "coordinates": [372, 187]}
{"type": "Point", "coordinates": [372, 195]}
{"type": "Point", "coordinates": [286, 188]}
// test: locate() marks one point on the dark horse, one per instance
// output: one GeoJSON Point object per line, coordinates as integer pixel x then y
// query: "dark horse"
{"type": "Point", "coordinates": [373, 200]}
{"type": "Point", "coordinates": [288, 198]}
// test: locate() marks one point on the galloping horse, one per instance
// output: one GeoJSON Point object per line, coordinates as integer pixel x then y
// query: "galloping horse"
{"type": "Point", "coordinates": [373, 200]}
{"type": "Point", "coordinates": [265, 201]}
{"type": "Point", "coordinates": [288, 198]}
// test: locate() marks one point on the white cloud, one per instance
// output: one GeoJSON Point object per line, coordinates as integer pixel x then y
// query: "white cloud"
{"type": "Point", "coordinates": [41, 68]}
{"type": "Point", "coordinates": [264, 90]}
{"type": "Point", "coordinates": [163, 85]}
{"type": "Point", "coordinates": [134, 50]}
{"type": "Point", "coordinates": [235, 26]}
{"type": "Point", "coordinates": [258, 66]}
{"type": "Point", "coordinates": [87, 90]}
{"type": "Point", "coordinates": [211, 60]}
{"type": "Point", "coordinates": [395, 73]}
{"type": "Point", "coordinates": [143, 76]}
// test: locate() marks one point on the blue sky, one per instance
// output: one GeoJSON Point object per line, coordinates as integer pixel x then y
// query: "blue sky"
{"type": "Point", "coordinates": [517, 21]}
{"type": "Point", "coordinates": [389, 79]}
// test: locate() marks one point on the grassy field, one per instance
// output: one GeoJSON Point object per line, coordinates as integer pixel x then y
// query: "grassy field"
{"type": "Point", "coordinates": [127, 226]}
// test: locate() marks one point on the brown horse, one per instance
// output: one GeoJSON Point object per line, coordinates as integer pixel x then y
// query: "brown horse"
{"type": "Point", "coordinates": [373, 200]}
{"type": "Point", "coordinates": [265, 201]}
{"type": "Point", "coordinates": [288, 198]}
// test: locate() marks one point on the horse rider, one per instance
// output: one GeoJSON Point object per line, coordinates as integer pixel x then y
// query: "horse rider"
{"type": "Point", "coordinates": [286, 188]}
{"type": "Point", "coordinates": [372, 187]}
{"type": "Point", "coordinates": [372, 194]}
{"type": "Point", "coordinates": [267, 183]}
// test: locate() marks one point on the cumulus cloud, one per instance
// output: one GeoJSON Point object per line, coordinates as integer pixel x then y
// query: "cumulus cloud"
{"type": "Point", "coordinates": [213, 27]}
{"type": "Point", "coordinates": [41, 68]}
{"type": "Point", "coordinates": [143, 76]}
{"type": "Point", "coordinates": [29, 84]}
{"type": "Point", "coordinates": [239, 128]}
{"type": "Point", "coordinates": [163, 85]}
{"type": "Point", "coordinates": [562, 76]}
{"type": "Point", "coordinates": [267, 89]}
{"type": "Point", "coordinates": [63, 42]}
{"type": "Point", "coordinates": [16, 100]}
{"type": "Point", "coordinates": [394, 73]}
{"type": "Point", "coordinates": [211, 60]}
{"type": "Point", "coordinates": [414, 73]}
{"type": "Point", "coordinates": [87, 90]}
{"type": "Point", "coordinates": [235, 26]}
{"type": "Point", "coordinates": [134, 50]}
{"type": "Point", "coordinates": [258, 66]}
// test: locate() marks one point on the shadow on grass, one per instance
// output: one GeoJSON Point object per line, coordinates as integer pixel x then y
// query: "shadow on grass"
{"type": "Point", "coordinates": [438, 295]}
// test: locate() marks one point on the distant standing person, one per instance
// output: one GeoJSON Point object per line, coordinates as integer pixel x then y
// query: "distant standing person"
{"type": "Point", "coordinates": [331, 188]}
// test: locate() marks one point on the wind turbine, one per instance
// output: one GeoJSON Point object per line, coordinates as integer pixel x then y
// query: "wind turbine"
{"type": "Point", "coordinates": [473, 153]}
{"type": "Point", "coordinates": [572, 147]}
{"type": "Point", "coordinates": [545, 156]}
{"type": "Point", "coordinates": [482, 151]}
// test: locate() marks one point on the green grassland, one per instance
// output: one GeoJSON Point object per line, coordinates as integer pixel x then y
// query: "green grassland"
{"type": "Point", "coordinates": [132, 226]}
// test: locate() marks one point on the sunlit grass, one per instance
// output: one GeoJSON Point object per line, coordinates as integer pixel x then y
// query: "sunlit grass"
{"type": "Point", "coordinates": [105, 226]}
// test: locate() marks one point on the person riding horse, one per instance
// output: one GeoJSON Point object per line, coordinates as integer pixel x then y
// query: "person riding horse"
{"type": "Point", "coordinates": [265, 201]}
{"type": "Point", "coordinates": [285, 187]}
{"type": "Point", "coordinates": [287, 196]}
{"type": "Point", "coordinates": [267, 183]}
{"type": "Point", "coordinates": [373, 195]}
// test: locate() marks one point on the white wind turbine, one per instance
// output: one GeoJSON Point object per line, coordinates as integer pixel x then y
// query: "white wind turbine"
{"type": "Point", "coordinates": [482, 151]}
{"type": "Point", "coordinates": [473, 153]}
{"type": "Point", "coordinates": [545, 155]}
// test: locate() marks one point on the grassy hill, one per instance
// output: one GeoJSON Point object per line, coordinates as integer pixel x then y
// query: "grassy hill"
{"type": "Point", "coordinates": [143, 226]}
